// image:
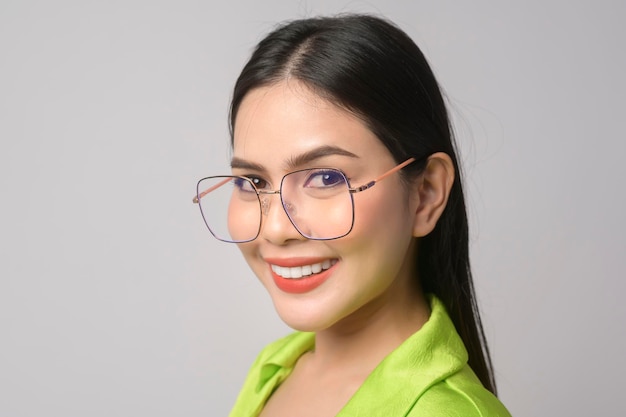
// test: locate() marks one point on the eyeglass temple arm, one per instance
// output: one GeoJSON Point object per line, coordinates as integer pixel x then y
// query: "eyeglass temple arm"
{"type": "Point", "coordinates": [382, 177]}
{"type": "Point", "coordinates": [196, 199]}
{"type": "Point", "coordinates": [364, 187]}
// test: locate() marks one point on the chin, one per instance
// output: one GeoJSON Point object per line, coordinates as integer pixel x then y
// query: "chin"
{"type": "Point", "coordinates": [303, 319]}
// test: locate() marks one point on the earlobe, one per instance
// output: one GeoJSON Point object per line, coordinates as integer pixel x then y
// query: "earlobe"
{"type": "Point", "coordinates": [432, 190]}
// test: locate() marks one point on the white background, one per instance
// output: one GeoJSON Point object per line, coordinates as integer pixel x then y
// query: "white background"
{"type": "Point", "coordinates": [114, 300]}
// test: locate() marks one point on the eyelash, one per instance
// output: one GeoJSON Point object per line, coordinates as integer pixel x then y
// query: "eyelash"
{"type": "Point", "coordinates": [255, 180]}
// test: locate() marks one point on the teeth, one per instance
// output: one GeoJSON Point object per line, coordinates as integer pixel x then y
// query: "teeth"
{"type": "Point", "coordinates": [296, 272]}
{"type": "Point", "coordinates": [302, 271]}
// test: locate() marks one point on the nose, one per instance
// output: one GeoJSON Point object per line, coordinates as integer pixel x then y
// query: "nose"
{"type": "Point", "coordinates": [276, 227]}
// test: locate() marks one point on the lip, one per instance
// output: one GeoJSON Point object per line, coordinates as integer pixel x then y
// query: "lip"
{"type": "Point", "coordinates": [299, 285]}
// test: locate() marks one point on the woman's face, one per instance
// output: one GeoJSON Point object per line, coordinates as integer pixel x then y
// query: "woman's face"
{"type": "Point", "coordinates": [368, 269]}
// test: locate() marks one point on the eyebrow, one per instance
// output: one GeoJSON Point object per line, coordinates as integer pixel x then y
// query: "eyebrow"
{"type": "Point", "coordinates": [295, 161]}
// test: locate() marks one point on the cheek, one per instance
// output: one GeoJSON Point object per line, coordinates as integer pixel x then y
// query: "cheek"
{"type": "Point", "coordinates": [386, 211]}
{"type": "Point", "coordinates": [248, 250]}
{"type": "Point", "coordinates": [382, 230]}
{"type": "Point", "coordinates": [243, 219]}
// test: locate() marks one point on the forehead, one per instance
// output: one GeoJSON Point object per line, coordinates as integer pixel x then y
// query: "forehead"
{"type": "Point", "coordinates": [288, 118]}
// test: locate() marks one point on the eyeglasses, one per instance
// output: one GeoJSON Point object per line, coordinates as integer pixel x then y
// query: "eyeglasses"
{"type": "Point", "coordinates": [318, 202]}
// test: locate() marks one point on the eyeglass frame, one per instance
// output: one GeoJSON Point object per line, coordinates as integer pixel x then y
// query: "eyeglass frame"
{"type": "Point", "coordinates": [351, 190]}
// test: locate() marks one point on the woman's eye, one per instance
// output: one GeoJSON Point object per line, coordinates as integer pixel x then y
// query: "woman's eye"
{"type": "Point", "coordinates": [324, 179]}
{"type": "Point", "coordinates": [250, 184]}
{"type": "Point", "coordinates": [259, 183]}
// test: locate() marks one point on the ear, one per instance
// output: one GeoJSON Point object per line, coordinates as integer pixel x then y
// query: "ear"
{"type": "Point", "coordinates": [431, 191]}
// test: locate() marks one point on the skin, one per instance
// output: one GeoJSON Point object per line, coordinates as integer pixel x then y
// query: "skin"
{"type": "Point", "coordinates": [371, 301]}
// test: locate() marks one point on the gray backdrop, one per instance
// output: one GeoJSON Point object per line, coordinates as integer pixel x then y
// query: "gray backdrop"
{"type": "Point", "coordinates": [114, 300]}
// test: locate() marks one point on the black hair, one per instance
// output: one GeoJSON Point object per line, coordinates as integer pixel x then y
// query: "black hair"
{"type": "Point", "coordinates": [370, 67]}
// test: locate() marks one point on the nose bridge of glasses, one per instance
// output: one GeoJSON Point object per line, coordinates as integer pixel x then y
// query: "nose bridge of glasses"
{"type": "Point", "coordinates": [288, 208]}
{"type": "Point", "coordinates": [264, 198]}
{"type": "Point", "coordinates": [278, 224]}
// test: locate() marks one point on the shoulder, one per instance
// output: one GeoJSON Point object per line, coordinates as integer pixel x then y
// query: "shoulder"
{"type": "Point", "coordinates": [459, 395]}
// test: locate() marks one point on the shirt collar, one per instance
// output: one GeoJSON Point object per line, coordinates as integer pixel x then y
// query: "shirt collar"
{"type": "Point", "coordinates": [282, 360]}
{"type": "Point", "coordinates": [427, 357]}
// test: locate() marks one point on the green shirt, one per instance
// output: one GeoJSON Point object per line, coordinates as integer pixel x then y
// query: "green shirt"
{"type": "Point", "coordinates": [427, 375]}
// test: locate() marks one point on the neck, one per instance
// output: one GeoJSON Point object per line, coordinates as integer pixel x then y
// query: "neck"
{"type": "Point", "coordinates": [362, 340]}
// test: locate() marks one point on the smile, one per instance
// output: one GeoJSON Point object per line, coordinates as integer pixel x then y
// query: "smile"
{"type": "Point", "coordinates": [296, 272]}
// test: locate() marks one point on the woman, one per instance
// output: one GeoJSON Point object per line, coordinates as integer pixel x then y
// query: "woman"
{"type": "Point", "coordinates": [346, 202]}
